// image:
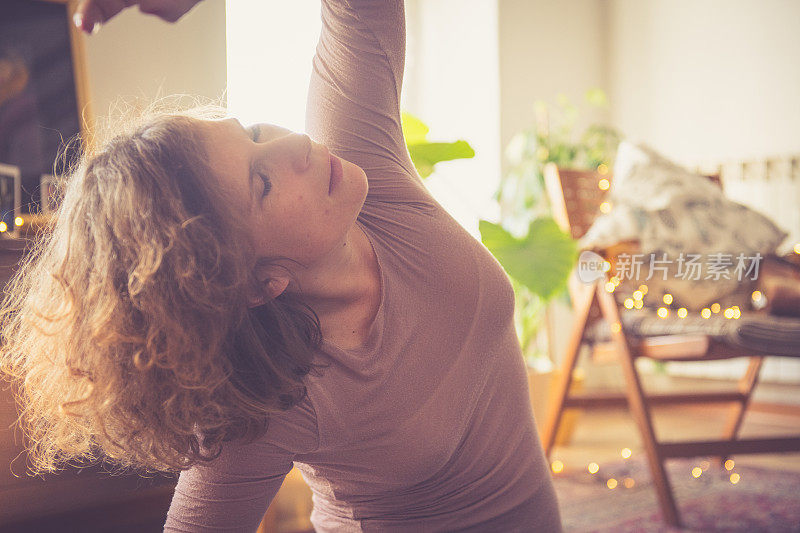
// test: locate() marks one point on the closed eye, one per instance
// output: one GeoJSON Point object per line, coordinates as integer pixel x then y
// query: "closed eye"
{"type": "Point", "coordinates": [255, 135]}
{"type": "Point", "coordinates": [255, 132]}
{"type": "Point", "coordinates": [267, 184]}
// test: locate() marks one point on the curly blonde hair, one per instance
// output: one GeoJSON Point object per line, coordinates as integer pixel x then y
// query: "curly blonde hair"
{"type": "Point", "coordinates": [125, 331]}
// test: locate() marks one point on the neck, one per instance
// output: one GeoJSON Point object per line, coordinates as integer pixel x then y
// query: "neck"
{"type": "Point", "coordinates": [339, 281]}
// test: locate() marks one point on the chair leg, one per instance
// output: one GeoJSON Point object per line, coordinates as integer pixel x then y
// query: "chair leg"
{"type": "Point", "coordinates": [747, 384]}
{"type": "Point", "coordinates": [637, 403]}
{"type": "Point", "coordinates": [583, 299]}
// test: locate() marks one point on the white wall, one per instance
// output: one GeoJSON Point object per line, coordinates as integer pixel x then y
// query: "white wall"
{"type": "Point", "coordinates": [549, 47]}
{"type": "Point", "coordinates": [707, 79]}
{"type": "Point", "coordinates": [142, 56]}
{"type": "Point", "coordinates": [452, 84]}
{"type": "Point", "coordinates": [698, 79]}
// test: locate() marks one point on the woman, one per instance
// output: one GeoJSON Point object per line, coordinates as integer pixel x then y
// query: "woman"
{"type": "Point", "coordinates": [410, 413]}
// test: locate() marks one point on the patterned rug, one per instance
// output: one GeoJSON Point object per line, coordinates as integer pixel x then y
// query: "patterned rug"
{"type": "Point", "coordinates": [760, 500]}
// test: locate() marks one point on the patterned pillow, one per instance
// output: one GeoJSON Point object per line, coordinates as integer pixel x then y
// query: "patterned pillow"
{"type": "Point", "coordinates": [705, 245]}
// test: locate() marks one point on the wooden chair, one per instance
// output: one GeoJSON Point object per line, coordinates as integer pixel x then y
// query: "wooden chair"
{"type": "Point", "coordinates": [575, 198]}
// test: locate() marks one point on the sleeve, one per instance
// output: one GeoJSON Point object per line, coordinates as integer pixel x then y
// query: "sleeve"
{"type": "Point", "coordinates": [232, 492]}
{"type": "Point", "coordinates": [353, 104]}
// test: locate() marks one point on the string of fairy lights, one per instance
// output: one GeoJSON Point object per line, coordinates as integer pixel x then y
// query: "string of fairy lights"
{"type": "Point", "coordinates": [636, 302]}
{"type": "Point", "coordinates": [621, 476]}
{"type": "Point", "coordinates": [18, 221]}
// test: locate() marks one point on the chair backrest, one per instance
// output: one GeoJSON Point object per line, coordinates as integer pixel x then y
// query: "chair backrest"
{"type": "Point", "coordinates": [576, 196]}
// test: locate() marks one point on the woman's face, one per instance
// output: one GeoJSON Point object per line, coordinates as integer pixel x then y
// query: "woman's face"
{"type": "Point", "coordinates": [279, 181]}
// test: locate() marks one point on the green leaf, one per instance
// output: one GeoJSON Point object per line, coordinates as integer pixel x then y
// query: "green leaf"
{"type": "Point", "coordinates": [425, 155]}
{"type": "Point", "coordinates": [414, 130]}
{"type": "Point", "coordinates": [423, 169]}
{"type": "Point", "coordinates": [542, 260]}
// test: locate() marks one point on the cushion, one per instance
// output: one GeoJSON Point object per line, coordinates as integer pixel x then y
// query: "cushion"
{"type": "Point", "coordinates": [674, 212]}
{"type": "Point", "coordinates": [763, 333]}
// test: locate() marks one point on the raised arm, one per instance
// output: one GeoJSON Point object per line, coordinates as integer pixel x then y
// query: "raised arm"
{"type": "Point", "coordinates": [353, 102]}
{"type": "Point", "coordinates": [354, 95]}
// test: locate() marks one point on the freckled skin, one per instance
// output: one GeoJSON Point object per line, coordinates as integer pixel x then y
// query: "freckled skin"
{"type": "Point", "coordinates": [297, 218]}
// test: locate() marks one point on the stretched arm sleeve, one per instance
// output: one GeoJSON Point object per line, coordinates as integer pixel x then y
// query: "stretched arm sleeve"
{"type": "Point", "coordinates": [232, 492]}
{"type": "Point", "coordinates": [353, 102]}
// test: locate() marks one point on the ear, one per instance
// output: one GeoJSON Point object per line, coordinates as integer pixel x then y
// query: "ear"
{"type": "Point", "coordinates": [274, 288]}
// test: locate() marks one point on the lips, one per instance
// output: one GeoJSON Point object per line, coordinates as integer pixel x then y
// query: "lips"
{"type": "Point", "coordinates": [336, 173]}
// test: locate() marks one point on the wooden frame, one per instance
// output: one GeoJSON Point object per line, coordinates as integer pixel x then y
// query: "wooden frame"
{"type": "Point", "coordinates": [575, 197]}
{"type": "Point", "coordinates": [80, 70]}
{"type": "Point", "coordinates": [46, 54]}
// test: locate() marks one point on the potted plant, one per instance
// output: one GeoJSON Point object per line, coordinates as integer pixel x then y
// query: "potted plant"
{"type": "Point", "coordinates": [540, 262]}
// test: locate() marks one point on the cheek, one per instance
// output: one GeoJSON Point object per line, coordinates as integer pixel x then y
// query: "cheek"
{"type": "Point", "coordinates": [298, 217]}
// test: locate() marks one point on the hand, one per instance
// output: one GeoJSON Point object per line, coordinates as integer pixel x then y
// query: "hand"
{"type": "Point", "coordinates": [90, 14]}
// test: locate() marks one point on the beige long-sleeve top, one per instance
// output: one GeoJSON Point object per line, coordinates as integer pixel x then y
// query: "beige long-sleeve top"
{"type": "Point", "coordinates": [428, 426]}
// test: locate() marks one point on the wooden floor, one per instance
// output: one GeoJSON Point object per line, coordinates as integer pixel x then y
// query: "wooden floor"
{"type": "Point", "coordinates": [601, 434]}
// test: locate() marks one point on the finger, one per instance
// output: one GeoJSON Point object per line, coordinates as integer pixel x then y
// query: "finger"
{"type": "Point", "coordinates": [155, 8]}
{"type": "Point", "coordinates": [168, 11]}
{"type": "Point", "coordinates": [86, 15]}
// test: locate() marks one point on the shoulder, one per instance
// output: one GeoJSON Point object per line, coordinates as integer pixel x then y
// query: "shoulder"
{"type": "Point", "coordinates": [294, 429]}
{"type": "Point", "coordinates": [288, 433]}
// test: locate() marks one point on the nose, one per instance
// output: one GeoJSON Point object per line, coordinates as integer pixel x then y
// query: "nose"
{"type": "Point", "coordinates": [301, 151]}
{"type": "Point", "coordinates": [294, 149]}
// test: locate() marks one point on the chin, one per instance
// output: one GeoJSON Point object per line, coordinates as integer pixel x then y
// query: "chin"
{"type": "Point", "coordinates": [356, 177]}
{"type": "Point", "coordinates": [364, 183]}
